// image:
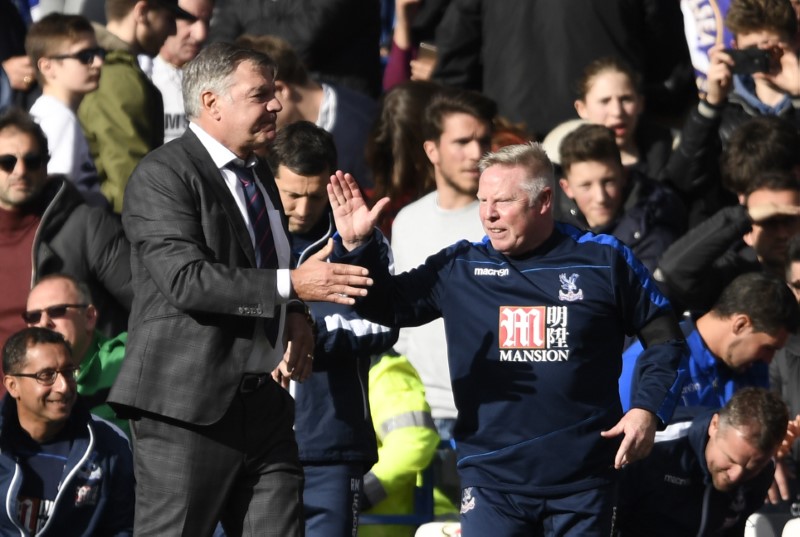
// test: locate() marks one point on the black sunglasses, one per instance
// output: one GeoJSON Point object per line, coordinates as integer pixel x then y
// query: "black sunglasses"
{"type": "Point", "coordinates": [33, 161]}
{"type": "Point", "coordinates": [85, 56]}
{"type": "Point", "coordinates": [54, 312]}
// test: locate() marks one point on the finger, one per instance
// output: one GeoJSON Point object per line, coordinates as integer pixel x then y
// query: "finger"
{"type": "Point", "coordinates": [614, 431]}
{"type": "Point", "coordinates": [772, 494]}
{"type": "Point", "coordinates": [292, 357]}
{"type": "Point", "coordinates": [349, 274]}
{"type": "Point", "coordinates": [621, 458]}
{"type": "Point", "coordinates": [378, 208]}
{"type": "Point", "coordinates": [325, 252]}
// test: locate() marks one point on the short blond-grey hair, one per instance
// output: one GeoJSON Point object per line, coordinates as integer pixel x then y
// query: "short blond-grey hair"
{"type": "Point", "coordinates": [532, 158]}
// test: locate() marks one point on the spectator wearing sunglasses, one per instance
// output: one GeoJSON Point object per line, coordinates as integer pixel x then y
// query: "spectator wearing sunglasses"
{"type": "Point", "coordinates": [47, 227]}
{"type": "Point", "coordinates": [64, 51]}
{"type": "Point", "coordinates": [62, 471]}
{"type": "Point", "coordinates": [60, 302]}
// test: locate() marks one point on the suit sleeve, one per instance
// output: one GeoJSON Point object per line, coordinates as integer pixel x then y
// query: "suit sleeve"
{"type": "Point", "coordinates": [110, 255]}
{"type": "Point", "coordinates": [171, 220]}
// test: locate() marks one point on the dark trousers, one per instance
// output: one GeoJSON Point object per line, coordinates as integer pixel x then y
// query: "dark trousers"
{"type": "Point", "coordinates": [330, 499]}
{"type": "Point", "coordinates": [581, 514]}
{"type": "Point", "coordinates": [242, 471]}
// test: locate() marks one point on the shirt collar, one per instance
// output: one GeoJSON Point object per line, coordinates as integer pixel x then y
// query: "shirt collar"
{"type": "Point", "coordinates": [220, 154]}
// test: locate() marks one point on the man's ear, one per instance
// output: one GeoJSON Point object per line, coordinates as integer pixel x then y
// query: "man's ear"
{"type": "Point", "coordinates": [432, 150]}
{"type": "Point", "coordinates": [140, 10]}
{"type": "Point", "coordinates": [713, 426]}
{"type": "Point", "coordinates": [91, 317]}
{"type": "Point", "coordinates": [740, 323]}
{"type": "Point", "coordinates": [546, 199]}
{"type": "Point", "coordinates": [11, 386]}
{"type": "Point", "coordinates": [209, 102]}
{"type": "Point", "coordinates": [565, 187]}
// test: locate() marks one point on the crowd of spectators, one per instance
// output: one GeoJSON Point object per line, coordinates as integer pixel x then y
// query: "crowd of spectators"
{"type": "Point", "coordinates": [407, 96]}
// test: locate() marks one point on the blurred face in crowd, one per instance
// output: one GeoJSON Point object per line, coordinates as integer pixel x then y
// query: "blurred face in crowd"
{"type": "Point", "coordinates": [189, 36]}
{"type": "Point", "coordinates": [23, 168]}
{"type": "Point", "coordinates": [455, 155]}
{"type": "Point", "coordinates": [76, 322]}
{"type": "Point", "coordinates": [731, 459]}
{"type": "Point", "coordinates": [793, 278]}
{"type": "Point", "coordinates": [513, 223]}
{"type": "Point", "coordinates": [243, 118]}
{"type": "Point", "coordinates": [612, 101]}
{"type": "Point", "coordinates": [157, 24]}
{"type": "Point", "coordinates": [770, 238]}
{"type": "Point", "coordinates": [597, 188]}
{"type": "Point", "coordinates": [305, 198]}
{"type": "Point", "coordinates": [41, 407]}
{"type": "Point", "coordinates": [72, 75]}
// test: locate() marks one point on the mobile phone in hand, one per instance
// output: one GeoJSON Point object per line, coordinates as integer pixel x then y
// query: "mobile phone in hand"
{"type": "Point", "coordinates": [750, 60]}
{"type": "Point", "coordinates": [427, 52]}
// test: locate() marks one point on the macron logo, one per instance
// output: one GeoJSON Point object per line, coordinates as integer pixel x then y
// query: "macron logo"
{"type": "Point", "coordinates": [491, 272]}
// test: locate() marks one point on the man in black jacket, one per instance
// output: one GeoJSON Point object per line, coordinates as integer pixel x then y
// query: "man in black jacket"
{"type": "Point", "coordinates": [710, 476]}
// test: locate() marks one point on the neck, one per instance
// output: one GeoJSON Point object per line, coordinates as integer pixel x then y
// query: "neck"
{"type": "Point", "coordinates": [767, 93]}
{"type": "Point", "coordinates": [309, 101]}
{"type": "Point", "coordinates": [450, 198]}
{"type": "Point", "coordinates": [70, 99]}
{"type": "Point", "coordinates": [713, 331]}
{"type": "Point", "coordinates": [41, 432]}
{"type": "Point", "coordinates": [125, 30]}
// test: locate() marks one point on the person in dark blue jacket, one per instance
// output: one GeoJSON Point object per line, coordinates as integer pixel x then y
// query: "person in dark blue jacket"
{"type": "Point", "coordinates": [605, 197]}
{"type": "Point", "coordinates": [707, 475]}
{"type": "Point", "coordinates": [732, 345]}
{"type": "Point", "coordinates": [63, 471]}
{"type": "Point", "coordinates": [535, 316]}
{"type": "Point", "coordinates": [333, 424]}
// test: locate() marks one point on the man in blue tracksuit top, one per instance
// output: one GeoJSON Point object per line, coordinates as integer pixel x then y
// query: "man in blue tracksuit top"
{"type": "Point", "coordinates": [535, 317]}
{"type": "Point", "coordinates": [333, 424]}
{"type": "Point", "coordinates": [63, 472]}
{"type": "Point", "coordinates": [707, 475]}
{"type": "Point", "coordinates": [731, 346]}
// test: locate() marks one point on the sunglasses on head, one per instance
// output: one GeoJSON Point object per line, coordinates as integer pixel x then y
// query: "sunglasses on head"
{"type": "Point", "coordinates": [33, 161]}
{"type": "Point", "coordinates": [53, 312]}
{"type": "Point", "coordinates": [85, 56]}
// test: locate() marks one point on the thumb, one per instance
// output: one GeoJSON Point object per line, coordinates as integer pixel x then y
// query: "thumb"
{"type": "Point", "coordinates": [616, 430]}
{"type": "Point", "coordinates": [379, 207]}
{"type": "Point", "coordinates": [325, 252]}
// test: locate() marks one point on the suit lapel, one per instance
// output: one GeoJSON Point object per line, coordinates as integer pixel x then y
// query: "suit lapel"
{"type": "Point", "coordinates": [210, 176]}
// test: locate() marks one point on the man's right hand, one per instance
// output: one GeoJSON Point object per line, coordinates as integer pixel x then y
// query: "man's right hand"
{"type": "Point", "coordinates": [719, 78]}
{"type": "Point", "coordinates": [354, 220]}
{"type": "Point", "coordinates": [316, 280]}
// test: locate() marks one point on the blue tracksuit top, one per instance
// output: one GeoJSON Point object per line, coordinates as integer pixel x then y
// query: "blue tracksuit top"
{"type": "Point", "coordinates": [670, 492]}
{"type": "Point", "coordinates": [534, 346]}
{"type": "Point", "coordinates": [710, 383]}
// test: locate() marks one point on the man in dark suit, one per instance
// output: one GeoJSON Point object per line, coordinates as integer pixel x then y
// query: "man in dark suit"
{"type": "Point", "coordinates": [212, 432]}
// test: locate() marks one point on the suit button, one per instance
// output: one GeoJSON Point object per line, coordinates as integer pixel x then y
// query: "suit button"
{"type": "Point", "coordinates": [241, 310]}
{"type": "Point", "coordinates": [258, 311]}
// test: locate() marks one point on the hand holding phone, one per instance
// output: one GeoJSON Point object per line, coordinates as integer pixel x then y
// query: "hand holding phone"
{"type": "Point", "coordinates": [750, 60]}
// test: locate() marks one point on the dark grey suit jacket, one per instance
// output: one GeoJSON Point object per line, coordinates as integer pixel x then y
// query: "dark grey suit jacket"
{"type": "Point", "coordinates": [197, 292]}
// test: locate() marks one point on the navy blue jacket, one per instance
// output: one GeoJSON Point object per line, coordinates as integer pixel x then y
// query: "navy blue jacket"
{"type": "Point", "coordinates": [670, 492]}
{"type": "Point", "coordinates": [534, 346]}
{"type": "Point", "coordinates": [332, 418]}
{"type": "Point", "coordinates": [96, 490]}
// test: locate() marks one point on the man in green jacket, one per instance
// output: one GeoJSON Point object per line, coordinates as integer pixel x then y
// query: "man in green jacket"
{"type": "Point", "coordinates": [63, 304]}
{"type": "Point", "coordinates": [124, 118]}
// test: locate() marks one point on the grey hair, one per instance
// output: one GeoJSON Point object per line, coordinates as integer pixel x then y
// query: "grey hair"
{"type": "Point", "coordinates": [211, 71]}
{"type": "Point", "coordinates": [530, 156]}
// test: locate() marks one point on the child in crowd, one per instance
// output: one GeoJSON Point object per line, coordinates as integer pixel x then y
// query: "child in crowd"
{"type": "Point", "coordinates": [64, 51]}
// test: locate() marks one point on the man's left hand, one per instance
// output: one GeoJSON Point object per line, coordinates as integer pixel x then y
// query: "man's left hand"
{"type": "Point", "coordinates": [639, 429]}
{"type": "Point", "coordinates": [298, 359]}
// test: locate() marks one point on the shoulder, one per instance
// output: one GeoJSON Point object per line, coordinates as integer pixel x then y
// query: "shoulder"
{"type": "Point", "coordinates": [109, 437]}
